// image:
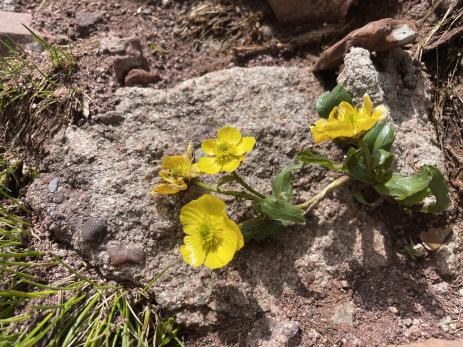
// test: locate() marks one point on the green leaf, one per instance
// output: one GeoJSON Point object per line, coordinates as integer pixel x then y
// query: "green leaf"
{"type": "Point", "coordinates": [381, 162]}
{"type": "Point", "coordinates": [401, 187]}
{"type": "Point", "coordinates": [310, 156]}
{"type": "Point", "coordinates": [329, 100]}
{"type": "Point", "coordinates": [260, 229]}
{"type": "Point", "coordinates": [414, 189]}
{"type": "Point", "coordinates": [281, 210]}
{"type": "Point", "coordinates": [360, 198]}
{"type": "Point", "coordinates": [381, 136]}
{"type": "Point", "coordinates": [356, 165]}
{"type": "Point", "coordinates": [439, 189]}
{"type": "Point", "coordinates": [282, 185]}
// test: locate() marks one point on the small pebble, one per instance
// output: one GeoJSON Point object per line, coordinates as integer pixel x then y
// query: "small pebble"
{"type": "Point", "coordinates": [53, 185]}
{"type": "Point", "coordinates": [93, 230]}
{"type": "Point", "coordinates": [393, 309]}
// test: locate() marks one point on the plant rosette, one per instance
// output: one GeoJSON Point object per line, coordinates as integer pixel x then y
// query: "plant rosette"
{"type": "Point", "coordinates": [212, 238]}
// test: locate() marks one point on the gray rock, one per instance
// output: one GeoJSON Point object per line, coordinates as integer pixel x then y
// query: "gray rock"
{"type": "Point", "coordinates": [400, 86]}
{"type": "Point", "coordinates": [108, 171]}
{"type": "Point", "coordinates": [448, 260]}
{"type": "Point", "coordinates": [109, 118]}
{"type": "Point", "coordinates": [86, 22]}
{"type": "Point", "coordinates": [114, 45]}
{"type": "Point", "coordinates": [444, 323]}
{"type": "Point", "coordinates": [270, 332]}
{"type": "Point", "coordinates": [93, 230]}
{"type": "Point", "coordinates": [344, 314]}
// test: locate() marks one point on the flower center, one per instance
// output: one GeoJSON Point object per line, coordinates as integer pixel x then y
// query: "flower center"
{"type": "Point", "coordinates": [176, 172]}
{"type": "Point", "coordinates": [205, 232]}
{"type": "Point", "coordinates": [224, 148]}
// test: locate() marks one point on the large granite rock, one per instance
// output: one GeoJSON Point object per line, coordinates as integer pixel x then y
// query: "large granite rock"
{"type": "Point", "coordinates": [99, 200]}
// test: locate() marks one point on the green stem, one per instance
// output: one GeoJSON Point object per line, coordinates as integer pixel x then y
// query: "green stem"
{"type": "Point", "coordinates": [312, 202]}
{"type": "Point", "coordinates": [213, 188]}
{"type": "Point", "coordinates": [246, 186]}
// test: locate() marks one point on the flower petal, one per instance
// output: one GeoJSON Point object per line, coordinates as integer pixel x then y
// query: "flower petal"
{"type": "Point", "coordinates": [210, 205]}
{"type": "Point", "coordinates": [209, 165]}
{"type": "Point", "coordinates": [193, 251]}
{"type": "Point", "coordinates": [380, 112]}
{"type": "Point", "coordinates": [191, 213]}
{"type": "Point", "coordinates": [173, 161]}
{"type": "Point", "coordinates": [231, 164]}
{"type": "Point", "coordinates": [168, 189]}
{"type": "Point", "coordinates": [229, 135]}
{"type": "Point", "coordinates": [346, 113]}
{"type": "Point", "coordinates": [195, 171]}
{"type": "Point", "coordinates": [365, 111]}
{"type": "Point", "coordinates": [233, 227]}
{"type": "Point", "coordinates": [164, 174]}
{"type": "Point", "coordinates": [209, 146]}
{"type": "Point", "coordinates": [365, 124]}
{"type": "Point", "coordinates": [246, 145]}
{"type": "Point", "coordinates": [324, 130]}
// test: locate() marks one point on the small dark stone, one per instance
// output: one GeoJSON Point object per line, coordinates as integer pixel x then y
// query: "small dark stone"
{"type": "Point", "coordinates": [87, 21]}
{"type": "Point", "coordinates": [109, 118]}
{"type": "Point", "coordinates": [58, 198]}
{"type": "Point", "coordinates": [121, 254]}
{"type": "Point", "coordinates": [93, 230]}
{"type": "Point", "coordinates": [53, 185]}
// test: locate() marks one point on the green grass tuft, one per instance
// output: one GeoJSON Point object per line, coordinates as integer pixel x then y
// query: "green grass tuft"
{"type": "Point", "coordinates": [75, 311]}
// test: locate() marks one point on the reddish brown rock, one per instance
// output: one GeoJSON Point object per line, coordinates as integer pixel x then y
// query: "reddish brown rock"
{"type": "Point", "coordinates": [307, 11]}
{"type": "Point", "coordinates": [379, 35]}
{"type": "Point", "coordinates": [120, 254]}
{"type": "Point", "coordinates": [132, 59]}
{"type": "Point", "coordinates": [139, 77]}
{"type": "Point", "coordinates": [12, 27]}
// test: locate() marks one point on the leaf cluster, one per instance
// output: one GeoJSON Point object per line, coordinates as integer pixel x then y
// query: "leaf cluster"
{"type": "Point", "coordinates": [372, 162]}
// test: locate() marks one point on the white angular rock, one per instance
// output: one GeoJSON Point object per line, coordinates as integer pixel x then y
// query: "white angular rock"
{"type": "Point", "coordinates": [400, 86]}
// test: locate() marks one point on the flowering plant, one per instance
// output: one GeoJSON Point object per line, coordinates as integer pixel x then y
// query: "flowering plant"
{"type": "Point", "coordinates": [212, 238]}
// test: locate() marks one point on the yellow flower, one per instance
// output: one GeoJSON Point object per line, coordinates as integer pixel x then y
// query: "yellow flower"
{"type": "Point", "coordinates": [176, 170]}
{"type": "Point", "coordinates": [211, 237]}
{"type": "Point", "coordinates": [226, 152]}
{"type": "Point", "coordinates": [347, 121]}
